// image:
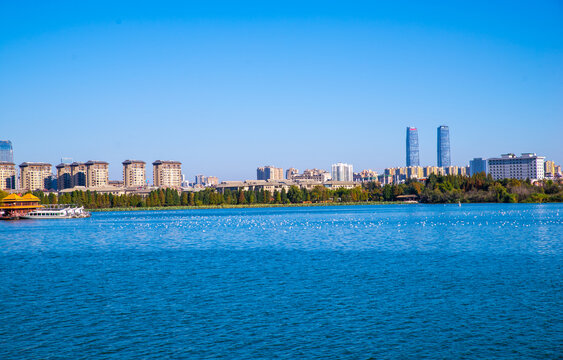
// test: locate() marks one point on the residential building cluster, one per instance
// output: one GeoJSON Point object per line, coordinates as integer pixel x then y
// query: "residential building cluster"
{"type": "Point", "coordinates": [94, 175]}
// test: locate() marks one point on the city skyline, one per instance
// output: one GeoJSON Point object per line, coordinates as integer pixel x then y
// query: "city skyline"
{"type": "Point", "coordinates": [191, 173]}
{"type": "Point", "coordinates": [303, 85]}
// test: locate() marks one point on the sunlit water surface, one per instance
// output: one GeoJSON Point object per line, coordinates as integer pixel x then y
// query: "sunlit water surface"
{"type": "Point", "coordinates": [358, 282]}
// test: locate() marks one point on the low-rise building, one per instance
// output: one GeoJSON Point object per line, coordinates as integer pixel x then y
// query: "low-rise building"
{"type": "Point", "coordinates": [333, 184]}
{"type": "Point", "coordinates": [312, 174]}
{"type": "Point", "coordinates": [365, 176]}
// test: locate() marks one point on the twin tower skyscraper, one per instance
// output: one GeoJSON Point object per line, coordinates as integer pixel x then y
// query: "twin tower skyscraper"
{"type": "Point", "coordinates": [444, 157]}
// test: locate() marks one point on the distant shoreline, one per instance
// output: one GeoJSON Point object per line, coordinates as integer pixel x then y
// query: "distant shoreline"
{"type": "Point", "coordinates": [258, 206]}
{"type": "Point", "coordinates": [247, 206]}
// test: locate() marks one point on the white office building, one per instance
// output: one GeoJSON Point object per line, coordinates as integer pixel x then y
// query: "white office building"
{"type": "Point", "coordinates": [342, 172]}
{"type": "Point", "coordinates": [509, 166]}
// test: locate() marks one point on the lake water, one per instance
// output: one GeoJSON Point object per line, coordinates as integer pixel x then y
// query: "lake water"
{"type": "Point", "coordinates": [393, 281]}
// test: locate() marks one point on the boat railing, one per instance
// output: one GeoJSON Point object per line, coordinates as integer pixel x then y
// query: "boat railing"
{"type": "Point", "coordinates": [59, 206]}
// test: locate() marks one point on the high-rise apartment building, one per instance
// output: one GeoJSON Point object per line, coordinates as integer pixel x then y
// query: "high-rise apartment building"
{"type": "Point", "coordinates": [35, 176]}
{"type": "Point", "coordinates": [134, 173]}
{"type": "Point", "coordinates": [549, 168]}
{"type": "Point", "coordinates": [444, 158]}
{"type": "Point", "coordinates": [429, 170]}
{"type": "Point", "coordinates": [167, 173]}
{"type": "Point", "coordinates": [477, 165]}
{"type": "Point", "coordinates": [6, 151]}
{"type": "Point", "coordinates": [289, 173]}
{"type": "Point", "coordinates": [509, 166]}
{"type": "Point", "coordinates": [211, 180]}
{"type": "Point", "coordinates": [78, 174]}
{"type": "Point", "coordinates": [451, 170]}
{"type": "Point", "coordinates": [96, 173]}
{"type": "Point", "coordinates": [342, 172]}
{"type": "Point", "coordinates": [412, 147]}
{"type": "Point", "coordinates": [64, 176]}
{"type": "Point", "coordinates": [7, 175]}
{"type": "Point", "coordinates": [415, 172]}
{"type": "Point", "coordinates": [199, 179]}
{"type": "Point", "coordinates": [269, 173]}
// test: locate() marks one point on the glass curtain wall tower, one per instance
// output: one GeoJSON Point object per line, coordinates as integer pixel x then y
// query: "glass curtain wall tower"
{"type": "Point", "coordinates": [6, 151]}
{"type": "Point", "coordinates": [412, 147]}
{"type": "Point", "coordinates": [444, 159]}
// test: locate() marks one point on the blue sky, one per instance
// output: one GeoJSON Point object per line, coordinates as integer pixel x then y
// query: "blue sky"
{"type": "Point", "coordinates": [225, 87]}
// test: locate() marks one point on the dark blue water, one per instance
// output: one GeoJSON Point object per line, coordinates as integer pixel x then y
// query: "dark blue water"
{"type": "Point", "coordinates": [359, 282]}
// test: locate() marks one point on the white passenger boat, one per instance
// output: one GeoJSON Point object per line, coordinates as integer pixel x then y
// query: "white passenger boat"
{"type": "Point", "coordinates": [57, 212]}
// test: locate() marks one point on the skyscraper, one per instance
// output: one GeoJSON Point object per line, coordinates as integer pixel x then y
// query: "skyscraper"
{"type": "Point", "coordinates": [444, 159]}
{"type": "Point", "coordinates": [412, 147]}
{"type": "Point", "coordinates": [6, 151]}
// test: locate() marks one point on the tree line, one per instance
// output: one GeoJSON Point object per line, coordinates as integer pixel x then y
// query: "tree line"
{"type": "Point", "coordinates": [435, 189]}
